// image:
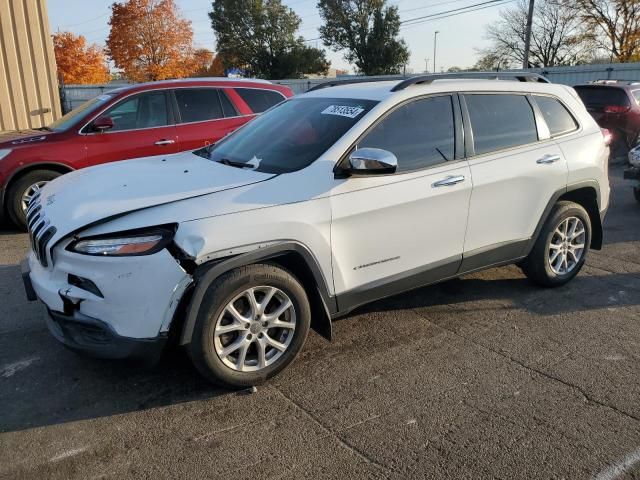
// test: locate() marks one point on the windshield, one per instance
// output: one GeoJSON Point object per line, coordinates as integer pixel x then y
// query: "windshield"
{"type": "Point", "coordinates": [291, 135]}
{"type": "Point", "coordinates": [68, 120]}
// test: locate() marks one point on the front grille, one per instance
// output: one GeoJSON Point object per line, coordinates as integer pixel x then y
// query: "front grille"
{"type": "Point", "coordinates": [40, 229]}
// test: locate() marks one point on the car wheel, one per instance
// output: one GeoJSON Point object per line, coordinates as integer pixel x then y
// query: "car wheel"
{"type": "Point", "coordinates": [561, 248]}
{"type": "Point", "coordinates": [22, 190]}
{"type": "Point", "coordinates": [636, 193]}
{"type": "Point", "coordinates": [252, 324]}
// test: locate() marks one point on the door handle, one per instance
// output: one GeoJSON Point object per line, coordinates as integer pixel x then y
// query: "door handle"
{"type": "Point", "coordinates": [164, 142]}
{"type": "Point", "coordinates": [448, 181]}
{"type": "Point", "coordinates": [548, 159]}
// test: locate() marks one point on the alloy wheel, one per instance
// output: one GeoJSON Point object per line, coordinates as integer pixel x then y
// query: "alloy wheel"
{"type": "Point", "coordinates": [29, 194]}
{"type": "Point", "coordinates": [255, 329]}
{"type": "Point", "coordinates": [567, 246]}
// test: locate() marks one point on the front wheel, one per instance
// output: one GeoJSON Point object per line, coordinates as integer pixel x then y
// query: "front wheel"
{"type": "Point", "coordinates": [561, 247]}
{"type": "Point", "coordinates": [251, 325]}
{"type": "Point", "coordinates": [22, 190]}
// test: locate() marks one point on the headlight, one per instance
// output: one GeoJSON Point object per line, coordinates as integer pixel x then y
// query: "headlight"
{"type": "Point", "coordinates": [4, 152]}
{"type": "Point", "coordinates": [142, 242]}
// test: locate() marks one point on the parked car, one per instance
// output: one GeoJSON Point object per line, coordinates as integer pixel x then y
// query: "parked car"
{"type": "Point", "coordinates": [134, 121]}
{"type": "Point", "coordinates": [331, 200]}
{"type": "Point", "coordinates": [633, 172]}
{"type": "Point", "coordinates": [615, 105]}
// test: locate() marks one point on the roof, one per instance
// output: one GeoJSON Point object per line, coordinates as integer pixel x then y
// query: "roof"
{"type": "Point", "coordinates": [200, 82]}
{"type": "Point", "coordinates": [380, 90]}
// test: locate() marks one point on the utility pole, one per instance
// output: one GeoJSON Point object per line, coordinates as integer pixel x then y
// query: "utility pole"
{"type": "Point", "coordinates": [527, 36]}
{"type": "Point", "coordinates": [435, 45]}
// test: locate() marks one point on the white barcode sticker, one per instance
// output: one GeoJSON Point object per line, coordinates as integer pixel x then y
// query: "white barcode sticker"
{"type": "Point", "coordinates": [343, 111]}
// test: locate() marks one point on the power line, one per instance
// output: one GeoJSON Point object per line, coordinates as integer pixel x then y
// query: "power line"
{"type": "Point", "coordinates": [489, 2]}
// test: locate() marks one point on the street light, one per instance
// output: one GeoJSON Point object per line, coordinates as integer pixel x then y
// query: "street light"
{"type": "Point", "coordinates": [435, 45]}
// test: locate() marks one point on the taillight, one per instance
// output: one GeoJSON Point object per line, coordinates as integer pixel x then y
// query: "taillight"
{"type": "Point", "coordinates": [608, 136]}
{"type": "Point", "coordinates": [616, 109]}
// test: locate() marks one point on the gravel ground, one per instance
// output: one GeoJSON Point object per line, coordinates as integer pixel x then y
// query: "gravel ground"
{"type": "Point", "coordinates": [487, 376]}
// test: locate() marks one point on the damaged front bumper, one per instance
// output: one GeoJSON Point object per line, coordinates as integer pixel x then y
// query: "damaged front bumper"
{"type": "Point", "coordinates": [108, 307]}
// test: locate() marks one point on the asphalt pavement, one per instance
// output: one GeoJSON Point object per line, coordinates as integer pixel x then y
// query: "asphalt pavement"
{"type": "Point", "coordinates": [487, 376]}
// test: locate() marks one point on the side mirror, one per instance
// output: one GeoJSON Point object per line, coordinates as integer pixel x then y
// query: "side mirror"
{"type": "Point", "coordinates": [372, 161]}
{"type": "Point", "coordinates": [102, 123]}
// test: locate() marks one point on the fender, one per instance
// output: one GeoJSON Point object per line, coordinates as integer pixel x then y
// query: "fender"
{"type": "Point", "coordinates": [206, 273]}
{"type": "Point", "coordinates": [596, 221]}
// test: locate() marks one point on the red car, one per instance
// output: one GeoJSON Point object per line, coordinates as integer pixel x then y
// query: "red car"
{"type": "Point", "coordinates": [615, 105]}
{"type": "Point", "coordinates": [134, 121]}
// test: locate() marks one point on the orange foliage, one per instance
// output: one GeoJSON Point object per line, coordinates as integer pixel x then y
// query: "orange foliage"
{"type": "Point", "coordinates": [150, 40]}
{"type": "Point", "coordinates": [79, 63]}
{"type": "Point", "coordinates": [206, 64]}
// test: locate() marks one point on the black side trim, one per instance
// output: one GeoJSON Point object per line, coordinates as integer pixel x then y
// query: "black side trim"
{"type": "Point", "coordinates": [206, 273]}
{"type": "Point", "coordinates": [26, 280]}
{"type": "Point", "coordinates": [494, 255]}
{"type": "Point", "coordinates": [402, 282]}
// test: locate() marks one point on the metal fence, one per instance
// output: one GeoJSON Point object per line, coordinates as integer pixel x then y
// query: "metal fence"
{"type": "Point", "coordinates": [74, 95]}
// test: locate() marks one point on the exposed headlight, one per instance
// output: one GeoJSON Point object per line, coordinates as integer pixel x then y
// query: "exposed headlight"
{"type": "Point", "coordinates": [4, 152]}
{"type": "Point", "coordinates": [144, 242]}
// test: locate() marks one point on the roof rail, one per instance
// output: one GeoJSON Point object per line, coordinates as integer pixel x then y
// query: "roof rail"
{"type": "Point", "coordinates": [347, 81]}
{"type": "Point", "coordinates": [519, 76]}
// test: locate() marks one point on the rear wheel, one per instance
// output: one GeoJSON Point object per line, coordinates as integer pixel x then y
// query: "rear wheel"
{"type": "Point", "coordinates": [561, 248]}
{"type": "Point", "coordinates": [22, 190]}
{"type": "Point", "coordinates": [252, 324]}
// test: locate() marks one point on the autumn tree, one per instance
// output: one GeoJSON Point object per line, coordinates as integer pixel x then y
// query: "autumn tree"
{"type": "Point", "coordinates": [149, 40]}
{"type": "Point", "coordinates": [557, 35]}
{"type": "Point", "coordinates": [614, 25]}
{"type": "Point", "coordinates": [206, 64]}
{"type": "Point", "coordinates": [79, 63]}
{"type": "Point", "coordinates": [367, 30]}
{"type": "Point", "coordinates": [260, 37]}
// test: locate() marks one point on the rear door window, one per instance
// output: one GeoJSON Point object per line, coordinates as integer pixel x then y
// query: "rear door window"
{"type": "Point", "coordinates": [198, 104]}
{"type": "Point", "coordinates": [558, 119]}
{"type": "Point", "coordinates": [420, 134]}
{"type": "Point", "coordinates": [500, 121]}
{"type": "Point", "coordinates": [259, 100]}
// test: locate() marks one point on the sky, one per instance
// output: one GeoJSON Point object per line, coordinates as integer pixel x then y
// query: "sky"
{"type": "Point", "coordinates": [458, 38]}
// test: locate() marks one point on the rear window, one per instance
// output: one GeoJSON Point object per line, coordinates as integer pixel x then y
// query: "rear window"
{"type": "Point", "coordinates": [558, 119]}
{"type": "Point", "coordinates": [500, 121]}
{"type": "Point", "coordinates": [259, 100]}
{"type": "Point", "coordinates": [594, 96]}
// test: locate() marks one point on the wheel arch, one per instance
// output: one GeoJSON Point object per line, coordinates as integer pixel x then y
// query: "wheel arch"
{"type": "Point", "coordinates": [292, 256]}
{"type": "Point", "coordinates": [585, 194]}
{"type": "Point", "coordinates": [19, 173]}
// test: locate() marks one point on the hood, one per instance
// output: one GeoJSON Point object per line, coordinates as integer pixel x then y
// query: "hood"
{"type": "Point", "coordinates": [86, 196]}
{"type": "Point", "coordinates": [20, 137]}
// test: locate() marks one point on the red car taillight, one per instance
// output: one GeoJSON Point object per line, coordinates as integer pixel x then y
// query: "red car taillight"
{"type": "Point", "coordinates": [616, 109]}
{"type": "Point", "coordinates": [608, 136]}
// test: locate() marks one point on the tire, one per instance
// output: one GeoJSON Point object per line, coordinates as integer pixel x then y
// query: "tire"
{"type": "Point", "coordinates": [636, 193]}
{"type": "Point", "coordinates": [208, 346]}
{"type": "Point", "coordinates": [538, 266]}
{"type": "Point", "coordinates": [18, 189]}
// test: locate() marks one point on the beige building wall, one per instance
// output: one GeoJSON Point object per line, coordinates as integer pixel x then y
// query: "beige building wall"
{"type": "Point", "coordinates": [29, 96]}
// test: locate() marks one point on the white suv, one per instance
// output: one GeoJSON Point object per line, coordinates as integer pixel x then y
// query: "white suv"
{"type": "Point", "coordinates": [332, 199]}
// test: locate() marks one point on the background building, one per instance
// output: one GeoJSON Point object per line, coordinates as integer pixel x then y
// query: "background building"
{"type": "Point", "coordinates": [29, 96]}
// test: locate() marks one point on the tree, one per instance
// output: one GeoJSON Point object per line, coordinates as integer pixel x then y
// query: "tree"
{"type": "Point", "coordinates": [260, 37]}
{"type": "Point", "coordinates": [207, 64]}
{"type": "Point", "coordinates": [79, 63]}
{"type": "Point", "coordinates": [367, 30]}
{"type": "Point", "coordinates": [614, 25]}
{"type": "Point", "coordinates": [557, 36]}
{"type": "Point", "coordinates": [150, 40]}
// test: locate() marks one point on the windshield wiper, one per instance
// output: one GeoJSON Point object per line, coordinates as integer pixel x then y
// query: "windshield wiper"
{"type": "Point", "coordinates": [231, 163]}
{"type": "Point", "coordinates": [44, 129]}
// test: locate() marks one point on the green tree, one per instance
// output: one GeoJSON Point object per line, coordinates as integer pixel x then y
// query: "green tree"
{"type": "Point", "coordinates": [367, 30]}
{"type": "Point", "coordinates": [260, 36]}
